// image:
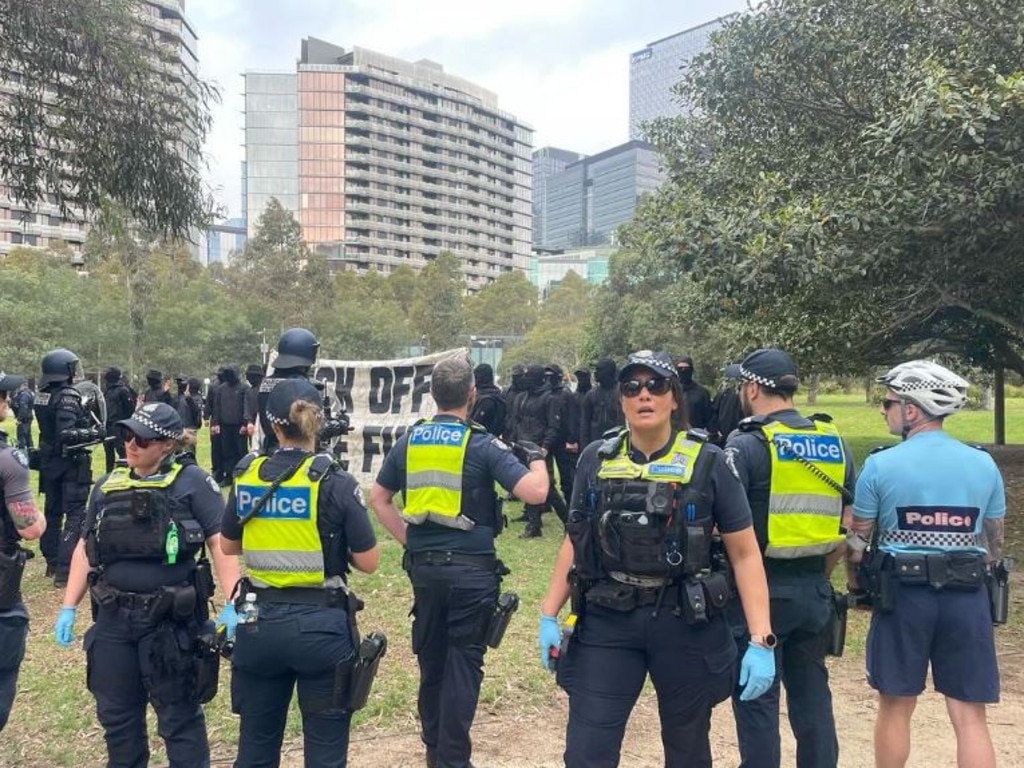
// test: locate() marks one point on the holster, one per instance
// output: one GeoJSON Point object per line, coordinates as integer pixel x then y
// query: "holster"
{"type": "Point", "coordinates": [12, 568]}
{"type": "Point", "coordinates": [207, 663]}
{"type": "Point", "coordinates": [353, 677]}
{"type": "Point", "coordinates": [998, 584]}
{"type": "Point", "coordinates": [837, 625]}
{"type": "Point", "coordinates": [507, 604]}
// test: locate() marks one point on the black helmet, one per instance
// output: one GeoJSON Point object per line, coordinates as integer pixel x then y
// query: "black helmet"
{"type": "Point", "coordinates": [297, 348]}
{"type": "Point", "coordinates": [59, 365]}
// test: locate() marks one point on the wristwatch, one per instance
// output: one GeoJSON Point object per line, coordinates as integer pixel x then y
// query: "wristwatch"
{"type": "Point", "coordinates": [765, 641]}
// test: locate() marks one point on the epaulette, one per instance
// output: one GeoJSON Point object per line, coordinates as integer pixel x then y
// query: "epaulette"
{"type": "Point", "coordinates": [321, 465]}
{"type": "Point", "coordinates": [820, 417]}
{"type": "Point", "coordinates": [477, 427]}
{"type": "Point", "coordinates": [698, 435]}
{"type": "Point", "coordinates": [185, 458]}
{"type": "Point", "coordinates": [612, 432]}
{"type": "Point", "coordinates": [753, 423]}
{"type": "Point", "coordinates": [244, 463]}
{"type": "Point", "coordinates": [979, 447]}
{"type": "Point", "coordinates": [611, 443]}
{"type": "Point", "coordinates": [879, 448]}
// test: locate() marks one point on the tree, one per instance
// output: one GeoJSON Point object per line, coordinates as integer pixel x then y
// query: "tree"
{"type": "Point", "coordinates": [99, 108]}
{"type": "Point", "coordinates": [437, 303]}
{"type": "Point", "coordinates": [851, 183]}
{"type": "Point", "coordinates": [506, 307]}
{"type": "Point", "coordinates": [559, 334]}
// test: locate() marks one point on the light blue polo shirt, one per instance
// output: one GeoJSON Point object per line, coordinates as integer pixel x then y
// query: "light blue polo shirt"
{"type": "Point", "coordinates": [932, 488]}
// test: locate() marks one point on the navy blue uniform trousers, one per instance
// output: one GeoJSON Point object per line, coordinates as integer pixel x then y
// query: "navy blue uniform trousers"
{"type": "Point", "coordinates": [130, 660]}
{"type": "Point", "coordinates": [611, 653]}
{"type": "Point", "coordinates": [453, 604]}
{"type": "Point", "coordinates": [289, 647]}
{"type": "Point", "coordinates": [801, 611]}
{"type": "Point", "coordinates": [13, 631]}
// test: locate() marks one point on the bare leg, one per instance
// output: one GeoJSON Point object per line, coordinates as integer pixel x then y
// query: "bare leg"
{"type": "Point", "coordinates": [973, 742]}
{"type": "Point", "coordinates": [892, 730]}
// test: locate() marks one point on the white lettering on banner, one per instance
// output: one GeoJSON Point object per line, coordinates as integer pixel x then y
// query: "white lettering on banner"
{"type": "Point", "coordinates": [383, 398]}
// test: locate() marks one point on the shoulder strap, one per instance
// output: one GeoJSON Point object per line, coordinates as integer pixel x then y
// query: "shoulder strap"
{"type": "Point", "coordinates": [322, 464]}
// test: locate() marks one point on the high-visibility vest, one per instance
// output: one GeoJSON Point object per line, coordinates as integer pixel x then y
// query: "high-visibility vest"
{"type": "Point", "coordinates": [804, 510]}
{"type": "Point", "coordinates": [281, 544]}
{"type": "Point", "coordinates": [435, 454]}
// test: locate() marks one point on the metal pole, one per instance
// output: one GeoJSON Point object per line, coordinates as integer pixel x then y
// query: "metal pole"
{"type": "Point", "coordinates": [999, 412]}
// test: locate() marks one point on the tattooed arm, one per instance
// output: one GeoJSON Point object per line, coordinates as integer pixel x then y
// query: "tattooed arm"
{"type": "Point", "coordinates": [992, 531]}
{"type": "Point", "coordinates": [18, 498]}
{"type": "Point", "coordinates": [27, 520]}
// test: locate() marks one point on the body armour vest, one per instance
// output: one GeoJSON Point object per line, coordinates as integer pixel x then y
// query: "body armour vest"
{"type": "Point", "coordinates": [648, 520]}
{"type": "Point", "coordinates": [804, 509]}
{"type": "Point", "coordinates": [435, 455]}
{"type": "Point", "coordinates": [281, 543]}
{"type": "Point", "coordinates": [137, 519]}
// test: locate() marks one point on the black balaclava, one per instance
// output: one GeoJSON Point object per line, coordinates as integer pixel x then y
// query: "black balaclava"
{"type": "Point", "coordinates": [195, 385]}
{"type": "Point", "coordinates": [686, 373]}
{"type": "Point", "coordinates": [605, 372]}
{"type": "Point", "coordinates": [254, 375]}
{"type": "Point", "coordinates": [582, 381]}
{"type": "Point", "coordinates": [231, 375]}
{"type": "Point", "coordinates": [518, 371]}
{"type": "Point", "coordinates": [553, 373]}
{"type": "Point", "coordinates": [533, 379]}
{"type": "Point", "coordinates": [483, 376]}
{"type": "Point", "coordinates": [182, 383]}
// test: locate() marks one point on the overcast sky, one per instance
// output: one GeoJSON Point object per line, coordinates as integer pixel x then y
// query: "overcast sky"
{"type": "Point", "coordinates": [562, 66]}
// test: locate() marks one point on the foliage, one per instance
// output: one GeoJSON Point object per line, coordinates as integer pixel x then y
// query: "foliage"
{"type": "Point", "coordinates": [100, 108]}
{"type": "Point", "coordinates": [506, 307]}
{"type": "Point", "coordinates": [850, 185]}
{"type": "Point", "coordinates": [559, 333]}
{"type": "Point", "coordinates": [436, 311]}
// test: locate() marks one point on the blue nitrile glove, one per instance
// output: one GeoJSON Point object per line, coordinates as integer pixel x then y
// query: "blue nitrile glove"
{"type": "Point", "coordinates": [228, 619]}
{"type": "Point", "coordinates": [757, 671]}
{"type": "Point", "coordinates": [548, 637]}
{"type": "Point", "coordinates": [64, 629]}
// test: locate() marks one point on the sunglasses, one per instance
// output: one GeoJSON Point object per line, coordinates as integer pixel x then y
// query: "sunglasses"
{"type": "Point", "coordinates": [887, 404]}
{"type": "Point", "coordinates": [656, 386]}
{"type": "Point", "coordinates": [141, 442]}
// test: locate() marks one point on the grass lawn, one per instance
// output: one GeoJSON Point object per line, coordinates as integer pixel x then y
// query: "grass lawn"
{"type": "Point", "coordinates": [54, 724]}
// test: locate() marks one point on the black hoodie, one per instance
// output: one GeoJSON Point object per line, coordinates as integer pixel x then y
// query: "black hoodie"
{"type": "Point", "coordinates": [601, 409]}
{"type": "Point", "coordinates": [489, 408]}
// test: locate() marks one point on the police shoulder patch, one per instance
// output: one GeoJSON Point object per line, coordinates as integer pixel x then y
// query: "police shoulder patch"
{"type": "Point", "coordinates": [497, 442]}
{"type": "Point", "coordinates": [730, 461]}
{"type": "Point", "coordinates": [20, 456]}
{"type": "Point", "coordinates": [213, 484]}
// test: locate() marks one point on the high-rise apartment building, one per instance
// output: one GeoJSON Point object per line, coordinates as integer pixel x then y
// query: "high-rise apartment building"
{"type": "Point", "coordinates": [547, 161]}
{"type": "Point", "coordinates": [654, 70]}
{"type": "Point", "coordinates": [586, 201]}
{"type": "Point", "coordinates": [388, 163]}
{"type": "Point", "coordinates": [44, 225]}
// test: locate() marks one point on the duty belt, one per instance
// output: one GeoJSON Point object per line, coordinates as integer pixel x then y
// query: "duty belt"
{"type": "Point", "coordinates": [302, 596]}
{"type": "Point", "coordinates": [487, 562]}
{"type": "Point", "coordinates": [133, 601]}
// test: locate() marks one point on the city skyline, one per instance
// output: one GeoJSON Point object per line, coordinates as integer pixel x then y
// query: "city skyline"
{"type": "Point", "coordinates": [562, 68]}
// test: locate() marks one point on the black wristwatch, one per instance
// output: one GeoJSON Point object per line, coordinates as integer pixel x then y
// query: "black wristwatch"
{"type": "Point", "coordinates": [765, 641]}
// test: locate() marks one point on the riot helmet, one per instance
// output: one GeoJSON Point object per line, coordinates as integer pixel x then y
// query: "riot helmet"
{"type": "Point", "coordinates": [297, 348]}
{"type": "Point", "coordinates": [59, 365]}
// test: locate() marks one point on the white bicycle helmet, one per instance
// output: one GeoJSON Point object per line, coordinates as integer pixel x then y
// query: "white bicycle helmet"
{"type": "Point", "coordinates": [930, 386]}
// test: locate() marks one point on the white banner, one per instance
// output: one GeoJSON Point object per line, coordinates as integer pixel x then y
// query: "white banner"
{"type": "Point", "coordinates": [383, 398]}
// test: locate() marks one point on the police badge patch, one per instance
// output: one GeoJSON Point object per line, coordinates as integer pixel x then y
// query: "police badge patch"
{"type": "Point", "coordinates": [499, 443]}
{"type": "Point", "coordinates": [20, 456]}
{"type": "Point", "coordinates": [213, 484]}
{"type": "Point", "coordinates": [730, 462]}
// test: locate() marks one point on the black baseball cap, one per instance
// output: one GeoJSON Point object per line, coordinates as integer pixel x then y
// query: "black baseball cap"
{"type": "Point", "coordinates": [155, 421]}
{"type": "Point", "coordinates": [9, 382]}
{"type": "Point", "coordinates": [769, 367]}
{"type": "Point", "coordinates": [658, 363]}
{"type": "Point", "coordinates": [279, 404]}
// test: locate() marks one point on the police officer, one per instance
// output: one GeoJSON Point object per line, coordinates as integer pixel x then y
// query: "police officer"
{"type": "Point", "coordinates": [65, 467]}
{"type": "Point", "coordinates": [798, 475]}
{"type": "Point", "coordinates": [446, 470]}
{"type": "Point", "coordinates": [296, 354]}
{"type": "Point", "coordinates": [136, 557]}
{"type": "Point", "coordinates": [934, 511]}
{"type": "Point", "coordinates": [22, 403]}
{"type": "Point", "coordinates": [120, 405]}
{"type": "Point", "coordinates": [645, 595]}
{"type": "Point", "coordinates": [297, 563]}
{"type": "Point", "coordinates": [21, 520]}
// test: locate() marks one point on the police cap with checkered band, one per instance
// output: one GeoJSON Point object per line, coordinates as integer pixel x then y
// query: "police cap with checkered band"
{"type": "Point", "coordinates": [770, 368]}
{"type": "Point", "coordinates": [155, 421]}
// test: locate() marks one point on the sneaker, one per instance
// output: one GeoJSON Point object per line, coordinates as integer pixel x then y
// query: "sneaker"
{"type": "Point", "coordinates": [530, 534]}
{"type": "Point", "coordinates": [50, 569]}
{"type": "Point", "coordinates": [60, 580]}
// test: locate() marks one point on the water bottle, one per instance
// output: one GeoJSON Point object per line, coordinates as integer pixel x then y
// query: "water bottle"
{"type": "Point", "coordinates": [249, 611]}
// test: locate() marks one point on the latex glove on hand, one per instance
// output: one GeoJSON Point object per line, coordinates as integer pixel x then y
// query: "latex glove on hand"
{"type": "Point", "coordinates": [228, 619]}
{"type": "Point", "coordinates": [64, 629]}
{"type": "Point", "coordinates": [757, 671]}
{"type": "Point", "coordinates": [549, 637]}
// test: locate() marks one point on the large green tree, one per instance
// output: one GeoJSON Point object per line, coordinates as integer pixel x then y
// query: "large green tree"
{"type": "Point", "coordinates": [436, 312]}
{"type": "Point", "coordinates": [850, 184]}
{"type": "Point", "coordinates": [98, 107]}
{"type": "Point", "coordinates": [559, 335]}
{"type": "Point", "coordinates": [506, 307]}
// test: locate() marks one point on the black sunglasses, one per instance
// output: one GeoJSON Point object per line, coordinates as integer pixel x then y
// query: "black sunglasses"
{"type": "Point", "coordinates": [656, 386]}
{"type": "Point", "coordinates": [142, 442]}
{"type": "Point", "coordinates": [887, 404]}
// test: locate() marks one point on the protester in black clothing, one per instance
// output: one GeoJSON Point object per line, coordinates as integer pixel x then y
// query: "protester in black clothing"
{"type": "Point", "coordinates": [512, 401]}
{"type": "Point", "coordinates": [188, 407]}
{"type": "Point", "coordinates": [234, 437]}
{"type": "Point", "coordinates": [489, 408]}
{"type": "Point", "coordinates": [601, 409]}
{"type": "Point", "coordinates": [696, 399]}
{"type": "Point", "coordinates": [583, 384]}
{"type": "Point", "coordinates": [120, 401]}
{"type": "Point", "coordinates": [539, 421]}
{"type": "Point", "coordinates": [728, 412]}
{"type": "Point", "coordinates": [218, 468]}
{"type": "Point", "coordinates": [566, 450]}
{"type": "Point", "coordinates": [158, 388]}
{"type": "Point", "coordinates": [254, 375]}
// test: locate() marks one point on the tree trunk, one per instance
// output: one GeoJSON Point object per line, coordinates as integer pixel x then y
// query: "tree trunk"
{"type": "Point", "coordinates": [812, 390]}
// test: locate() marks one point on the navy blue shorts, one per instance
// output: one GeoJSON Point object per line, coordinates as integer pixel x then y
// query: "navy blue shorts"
{"type": "Point", "coordinates": [951, 629]}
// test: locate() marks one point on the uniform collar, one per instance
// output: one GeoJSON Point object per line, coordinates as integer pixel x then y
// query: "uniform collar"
{"type": "Point", "coordinates": [638, 457]}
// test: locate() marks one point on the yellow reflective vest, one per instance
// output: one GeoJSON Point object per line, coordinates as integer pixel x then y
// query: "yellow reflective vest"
{"type": "Point", "coordinates": [435, 454]}
{"type": "Point", "coordinates": [674, 467]}
{"type": "Point", "coordinates": [281, 544]}
{"type": "Point", "coordinates": [804, 510]}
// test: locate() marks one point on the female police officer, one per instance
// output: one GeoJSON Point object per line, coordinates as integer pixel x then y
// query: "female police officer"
{"type": "Point", "coordinates": [299, 520]}
{"type": "Point", "coordinates": [647, 597]}
{"type": "Point", "coordinates": [144, 525]}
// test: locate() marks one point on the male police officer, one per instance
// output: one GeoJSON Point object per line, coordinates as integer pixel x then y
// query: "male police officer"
{"type": "Point", "coordinates": [65, 467]}
{"type": "Point", "coordinates": [296, 354]}
{"type": "Point", "coordinates": [797, 473]}
{"type": "Point", "coordinates": [446, 469]}
{"type": "Point", "coordinates": [939, 507]}
{"type": "Point", "coordinates": [22, 403]}
{"type": "Point", "coordinates": [21, 521]}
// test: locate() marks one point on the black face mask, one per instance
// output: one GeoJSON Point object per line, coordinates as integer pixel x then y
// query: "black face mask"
{"type": "Point", "coordinates": [685, 375]}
